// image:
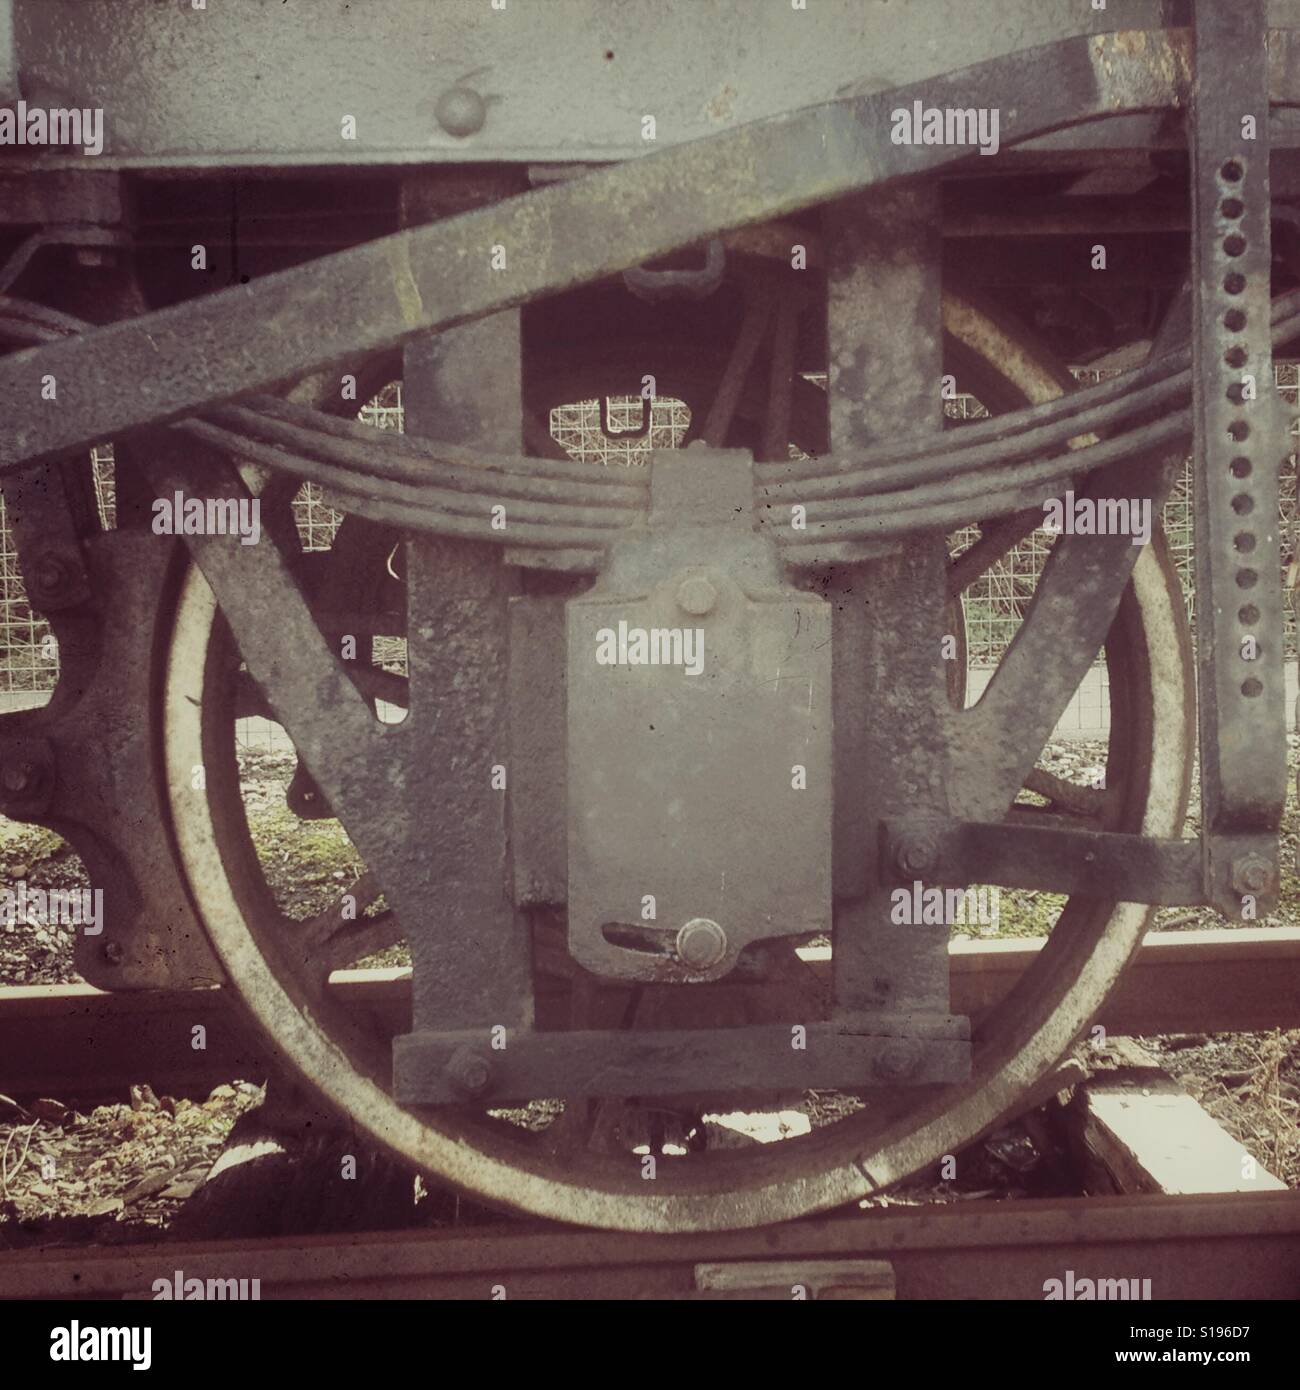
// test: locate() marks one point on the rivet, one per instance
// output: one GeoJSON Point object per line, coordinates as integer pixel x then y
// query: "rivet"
{"type": "Point", "coordinates": [461, 111]}
{"type": "Point", "coordinates": [696, 596]}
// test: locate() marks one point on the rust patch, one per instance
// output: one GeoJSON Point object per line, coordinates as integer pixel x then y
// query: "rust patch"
{"type": "Point", "coordinates": [721, 107]}
{"type": "Point", "coordinates": [1137, 68]}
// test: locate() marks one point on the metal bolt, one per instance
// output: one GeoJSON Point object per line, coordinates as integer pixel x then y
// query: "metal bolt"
{"type": "Point", "coordinates": [469, 1072]}
{"type": "Point", "coordinates": [18, 777]}
{"type": "Point", "coordinates": [701, 943]}
{"type": "Point", "coordinates": [113, 952]}
{"type": "Point", "coordinates": [897, 1059]}
{"type": "Point", "coordinates": [1252, 873]}
{"type": "Point", "coordinates": [696, 596]}
{"type": "Point", "coordinates": [461, 111]}
{"type": "Point", "coordinates": [916, 854]}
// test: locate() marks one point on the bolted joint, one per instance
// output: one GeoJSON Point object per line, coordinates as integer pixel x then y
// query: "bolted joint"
{"type": "Point", "coordinates": [916, 854]}
{"type": "Point", "coordinates": [1253, 874]}
{"type": "Point", "coordinates": [468, 1072]}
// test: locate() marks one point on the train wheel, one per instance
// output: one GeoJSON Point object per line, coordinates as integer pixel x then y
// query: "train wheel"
{"type": "Point", "coordinates": [1016, 1046]}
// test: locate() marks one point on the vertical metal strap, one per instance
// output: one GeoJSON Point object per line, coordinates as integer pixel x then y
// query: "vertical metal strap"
{"type": "Point", "coordinates": [472, 951]}
{"type": "Point", "coordinates": [1239, 447]}
{"type": "Point", "coordinates": [891, 696]}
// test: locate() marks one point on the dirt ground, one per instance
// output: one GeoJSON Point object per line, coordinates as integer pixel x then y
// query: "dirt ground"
{"type": "Point", "coordinates": [122, 1171]}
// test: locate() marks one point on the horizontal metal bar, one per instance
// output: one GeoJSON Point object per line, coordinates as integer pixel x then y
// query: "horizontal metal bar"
{"type": "Point", "coordinates": [450, 1068]}
{"type": "Point", "coordinates": [1096, 863]}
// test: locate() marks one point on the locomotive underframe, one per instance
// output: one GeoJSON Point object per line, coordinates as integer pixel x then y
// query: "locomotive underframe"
{"type": "Point", "coordinates": [920, 788]}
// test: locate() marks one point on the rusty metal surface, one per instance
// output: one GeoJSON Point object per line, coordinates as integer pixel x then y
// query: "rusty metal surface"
{"type": "Point", "coordinates": [469, 945]}
{"type": "Point", "coordinates": [263, 84]}
{"type": "Point", "coordinates": [892, 697]}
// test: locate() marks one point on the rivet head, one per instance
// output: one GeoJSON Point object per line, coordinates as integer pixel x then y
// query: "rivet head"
{"type": "Point", "coordinates": [701, 943]}
{"type": "Point", "coordinates": [461, 111]}
{"type": "Point", "coordinates": [696, 596]}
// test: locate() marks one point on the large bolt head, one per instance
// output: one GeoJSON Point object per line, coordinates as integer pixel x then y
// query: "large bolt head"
{"type": "Point", "coordinates": [701, 943]}
{"type": "Point", "coordinates": [1251, 873]}
{"type": "Point", "coordinates": [469, 1072]}
{"type": "Point", "coordinates": [696, 596]}
{"type": "Point", "coordinates": [915, 855]}
{"type": "Point", "coordinates": [461, 111]}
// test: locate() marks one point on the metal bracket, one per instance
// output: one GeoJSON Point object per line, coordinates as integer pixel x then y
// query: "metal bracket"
{"type": "Point", "coordinates": [440, 1068]}
{"type": "Point", "coordinates": [1239, 446]}
{"type": "Point", "coordinates": [657, 285]}
{"type": "Point", "coordinates": [699, 701]}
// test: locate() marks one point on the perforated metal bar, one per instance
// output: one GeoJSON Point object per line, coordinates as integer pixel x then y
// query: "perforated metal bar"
{"type": "Point", "coordinates": [1239, 449]}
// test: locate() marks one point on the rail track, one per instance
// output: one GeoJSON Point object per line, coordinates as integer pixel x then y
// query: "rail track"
{"type": "Point", "coordinates": [76, 1041]}
{"type": "Point", "coordinates": [1245, 1246]}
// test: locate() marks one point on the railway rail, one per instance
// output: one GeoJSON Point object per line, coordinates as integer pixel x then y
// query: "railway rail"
{"type": "Point", "coordinates": [79, 1042]}
{"type": "Point", "coordinates": [1244, 1246]}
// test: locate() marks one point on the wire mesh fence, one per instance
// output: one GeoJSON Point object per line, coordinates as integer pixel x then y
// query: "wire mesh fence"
{"type": "Point", "coordinates": [996, 604]}
{"type": "Point", "coordinates": [615, 432]}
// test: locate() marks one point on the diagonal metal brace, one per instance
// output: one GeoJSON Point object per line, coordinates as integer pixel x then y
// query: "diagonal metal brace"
{"type": "Point", "coordinates": [1238, 452]}
{"type": "Point", "coordinates": [334, 311]}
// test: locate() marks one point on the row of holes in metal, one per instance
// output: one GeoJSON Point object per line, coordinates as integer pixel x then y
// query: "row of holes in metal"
{"type": "Point", "coordinates": [1234, 244]}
